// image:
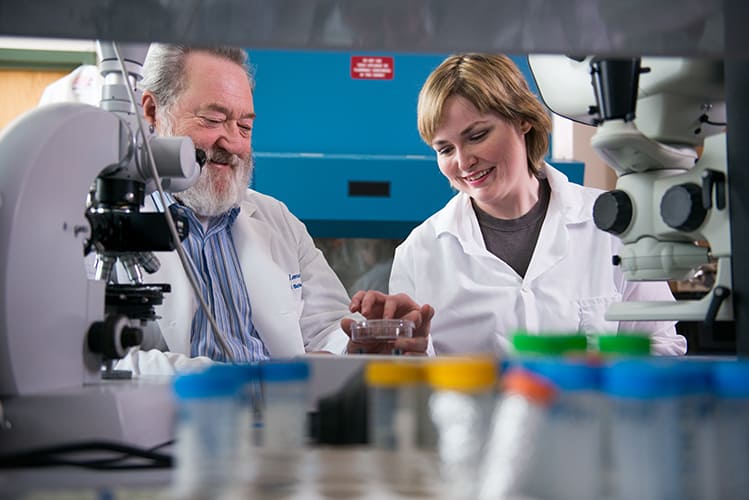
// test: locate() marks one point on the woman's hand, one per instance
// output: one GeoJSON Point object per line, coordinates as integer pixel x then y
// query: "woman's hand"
{"type": "Point", "coordinates": [377, 305]}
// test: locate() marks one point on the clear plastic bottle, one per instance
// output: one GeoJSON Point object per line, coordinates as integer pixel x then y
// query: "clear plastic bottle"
{"type": "Point", "coordinates": [285, 388]}
{"type": "Point", "coordinates": [249, 419]}
{"type": "Point", "coordinates": [660, 427]}
{"type": "Point", "coordinates": [613, 347]}
{"type": "Point", "coordinates": [205, 449]}
{"type": "Point", "coordinates": [731, 446]}
{"type": "Point", "coordinates": [393, 397]}
{"type": "Point", "coordinates": [464, 391]}
{"type": "Point", "coordinates": [570, 466]}
{"type": "Point", "coordinates": [397, 416]}
{"type": "Point", "coordinates": [697, 428]}
{"type": "Point", "coordinates": [514, 442]}
{"type": "Point", "coordinates": [278, 459]}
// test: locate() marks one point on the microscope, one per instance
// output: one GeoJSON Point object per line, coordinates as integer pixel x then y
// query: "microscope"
{"type": "Point", "coordinates": [72, 181]}
{"type": "Point", "coordinates": [660, 124]}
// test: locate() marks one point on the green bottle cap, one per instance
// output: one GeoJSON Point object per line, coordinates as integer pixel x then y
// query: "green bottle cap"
{"type": "Point", "coordinates": [624, 344]}
{"type": "Point", "coordinates": [549, 344]}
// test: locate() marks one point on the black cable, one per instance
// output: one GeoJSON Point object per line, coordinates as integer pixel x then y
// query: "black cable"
{"type": "Point", "coordinates": [151, 452]}
{"type": "Point", "coordinates": [162, 445]}
{"type": "Point", "coordinates": [50, 456]}
{"type": "Point", "coordinates": [706, 119]}
{"type": "Point", "coordinates": [46, 457]}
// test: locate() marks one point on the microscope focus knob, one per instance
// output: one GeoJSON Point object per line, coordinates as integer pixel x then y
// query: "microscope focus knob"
{"type": "Point", "coordinates": [113, 336]}
{"type": "Point", "coordinates": [612, 211]}
{"type": "Point", "coordinates": [682, 207]}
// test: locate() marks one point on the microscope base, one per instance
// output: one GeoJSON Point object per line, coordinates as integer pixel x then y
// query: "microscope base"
{"type": "Point", "coordinates": [137, 413]}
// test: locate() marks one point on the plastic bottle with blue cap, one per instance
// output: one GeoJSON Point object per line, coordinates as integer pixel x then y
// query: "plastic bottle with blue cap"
{"type": "Point", "coordinates": [276, 459]}
{"type": "Point", "coordinates": [731, 446]}
{"type": "Point", "coordinates": [697, 428]}
{"type": "Point", "coordinates": [285, 388]}
{"type": "Point", "coordinates": [205, 448]}
{"type": "Point", "coordinates": [660, 424]}
{"type": "Point", "coordinates": [570, 467]}
{"type": "Point", "coordinates": [249, 418]}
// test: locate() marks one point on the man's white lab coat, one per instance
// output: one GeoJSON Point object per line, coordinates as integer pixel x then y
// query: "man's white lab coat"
{"type": "Point", "coordinates": [480, 301]}
{"type": "Point", "coordinates": [297, 300]}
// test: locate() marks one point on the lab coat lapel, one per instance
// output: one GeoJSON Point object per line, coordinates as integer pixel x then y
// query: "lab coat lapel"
{"type": "Point", "coordinates": [176, 319]}
{"type": "Point", "coordinates": [180, 304]}
{"type": "Point", "coordinates": [554, 239]}
{"type": "Point", "coordinates": [552, 245]}
{"type": "Point", "coordinates": [459, 219]}
{"type": "Point", "coordinates": [273, 305]}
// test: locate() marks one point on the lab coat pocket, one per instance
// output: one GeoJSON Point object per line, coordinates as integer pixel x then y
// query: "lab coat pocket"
{"type": "Point", "coordinates": [593, 314]}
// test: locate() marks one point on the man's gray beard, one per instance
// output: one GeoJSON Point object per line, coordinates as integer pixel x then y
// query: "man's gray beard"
{"type": "Point", "coordinates": [202, 197]}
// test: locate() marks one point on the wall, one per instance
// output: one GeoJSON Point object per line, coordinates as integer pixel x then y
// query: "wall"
{"type": "Point", "coordinates": [28, 65]}
{"type": "Point", "coordinates": [20, 91]}
{"type": "Point", "coordinates": [572, 142]}
{"type": "Point", "coordinates": [352, 163]}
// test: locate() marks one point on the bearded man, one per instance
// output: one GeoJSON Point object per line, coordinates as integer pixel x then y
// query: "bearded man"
{"type": "Point", "coordinates": [271, 291]}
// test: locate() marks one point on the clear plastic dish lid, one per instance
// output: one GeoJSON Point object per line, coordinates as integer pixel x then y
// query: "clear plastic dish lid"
{"type": "Point", "coordinates": [381, 330]}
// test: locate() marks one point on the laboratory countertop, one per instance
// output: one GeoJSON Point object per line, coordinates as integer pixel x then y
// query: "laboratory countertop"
{"type": "Point", "coordinates": [315, 473]}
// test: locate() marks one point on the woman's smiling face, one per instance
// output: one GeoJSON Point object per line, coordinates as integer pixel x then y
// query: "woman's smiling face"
{"type": "Point", "coordinates": [484, 156]}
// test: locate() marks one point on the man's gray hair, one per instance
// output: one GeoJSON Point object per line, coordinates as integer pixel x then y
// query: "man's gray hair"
{"type": "Point", "coordinates": [163, 69]}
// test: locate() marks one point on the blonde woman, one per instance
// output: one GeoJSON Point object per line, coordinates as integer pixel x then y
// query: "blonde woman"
{"type": "Point", "coordinates": [516, 248]}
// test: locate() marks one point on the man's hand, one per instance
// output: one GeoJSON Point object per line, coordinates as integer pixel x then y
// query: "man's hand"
{"type": "Point", "coordinates": [376, 305]}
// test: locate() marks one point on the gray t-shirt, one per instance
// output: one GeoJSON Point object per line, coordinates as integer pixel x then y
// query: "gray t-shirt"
{"type": "Point", "coordinates": [513, 240]}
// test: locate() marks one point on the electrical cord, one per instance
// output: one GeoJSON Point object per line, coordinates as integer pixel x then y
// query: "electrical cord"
{"type": "Point", "coordinates": [706, 119]}
{"type": "Point", "coordinates": [162, 445]}
{"type": "Point", "coordinates": [184, 258]}
{"type": "Point", "coordinates": [55, 456]}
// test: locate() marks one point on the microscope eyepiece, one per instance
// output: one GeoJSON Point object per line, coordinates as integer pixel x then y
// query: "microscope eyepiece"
{"type": "Point", "coordinates": [200, 157]}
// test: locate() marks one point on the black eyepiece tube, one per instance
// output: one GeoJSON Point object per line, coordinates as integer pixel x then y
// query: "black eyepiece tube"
{"type": "Point", "coordinates": [200, 157]}
{"type": "Point", "coordinates": [615, 82]}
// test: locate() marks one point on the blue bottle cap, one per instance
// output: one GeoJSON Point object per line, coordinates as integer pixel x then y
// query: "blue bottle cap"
{"type": "Point", "coordinates": [694, 376]}
{"type": "Point", "coordinates": [642, 379]}
{"type": "Point", "coordinates": [216, 381]}
{"type": "Point", "coordinates": [246, 372]}
{"type": "Point", "coordinates": [566, 375]}
{"type": "Point", "coordinates": [505, 364]}
{"type": "Point", "coordinates": [731, 379]}
{"type": "Point", "coordinates": [284, 371]}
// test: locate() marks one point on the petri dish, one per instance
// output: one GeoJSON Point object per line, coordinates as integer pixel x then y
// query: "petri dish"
{"type": "Point", "coordinates": [381, 330]}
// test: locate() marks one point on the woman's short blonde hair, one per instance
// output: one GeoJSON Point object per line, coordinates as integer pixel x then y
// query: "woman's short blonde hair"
{"type": "Point", "coordinates": [494, 84]}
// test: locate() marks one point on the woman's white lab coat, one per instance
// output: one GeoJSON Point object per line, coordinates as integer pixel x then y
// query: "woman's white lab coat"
{"type": "Point", "coordinates": [480, 301]}
{"type": "Point", "coordinates": [297, 299]}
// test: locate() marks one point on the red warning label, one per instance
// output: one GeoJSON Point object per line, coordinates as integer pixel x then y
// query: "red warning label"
{"type": "Point", "coordinates": [372, 67]}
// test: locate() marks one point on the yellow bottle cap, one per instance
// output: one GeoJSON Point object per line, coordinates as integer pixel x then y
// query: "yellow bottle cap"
{"type": "Point", "coordinates": [463, 374]}
{"type": "Point", "coordinates": [393, 373]}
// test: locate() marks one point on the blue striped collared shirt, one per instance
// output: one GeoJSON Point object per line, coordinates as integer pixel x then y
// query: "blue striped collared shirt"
{"type": "Point", "coordinates": [216, 266]}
